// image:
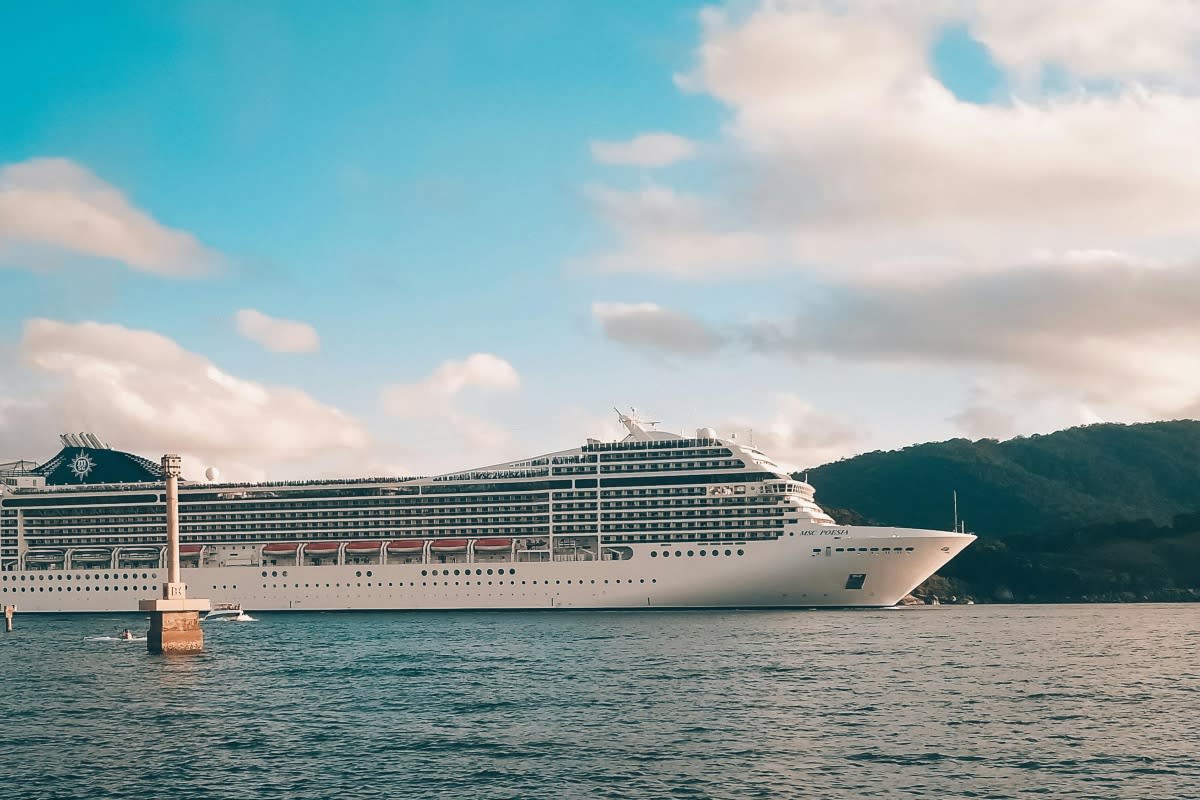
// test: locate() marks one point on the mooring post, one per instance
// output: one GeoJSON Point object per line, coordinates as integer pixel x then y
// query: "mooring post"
{"type": "Point", "coordinates": [174, 619]}
{"type": "Point", "coordinates": [9, 611]}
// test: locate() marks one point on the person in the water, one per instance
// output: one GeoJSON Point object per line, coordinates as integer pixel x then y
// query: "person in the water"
{"type": "Point", "coordinates": [127, 634]}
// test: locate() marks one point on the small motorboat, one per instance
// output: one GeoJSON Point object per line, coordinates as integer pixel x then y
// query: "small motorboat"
{"type": "Point", "coordinates": [227, 612]}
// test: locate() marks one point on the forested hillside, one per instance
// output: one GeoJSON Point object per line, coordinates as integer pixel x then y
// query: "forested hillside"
{"type": "Point", "coordinates": [1096, 512]}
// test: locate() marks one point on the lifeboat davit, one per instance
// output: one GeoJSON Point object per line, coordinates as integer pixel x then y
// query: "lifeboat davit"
{"type": "Point", "coordinates": [405, 545]}
{"type": "Point", "coordinates": [190, 549]}
{"type": "Point", "coordinates": [363, 548]}
{"type": "Point", "coordinates": [448, 545]}
{"type": "Point", "coordinates": [281, 548]}
{"type": "Point", "coordinates": [493, 545]}
{"type": "Point", "coordinates": [321, 549]}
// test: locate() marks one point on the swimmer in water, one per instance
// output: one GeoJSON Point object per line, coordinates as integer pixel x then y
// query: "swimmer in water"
{"type": "Point", "coordinates": [127, 634]}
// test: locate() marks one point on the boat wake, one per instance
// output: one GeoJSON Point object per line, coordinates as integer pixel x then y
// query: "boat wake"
{"type": "Point", "coordinates": [115, 639]}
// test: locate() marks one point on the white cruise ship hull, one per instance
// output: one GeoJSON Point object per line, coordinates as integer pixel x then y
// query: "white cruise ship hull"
{"type": "Point", "coordinates": [838, 567]}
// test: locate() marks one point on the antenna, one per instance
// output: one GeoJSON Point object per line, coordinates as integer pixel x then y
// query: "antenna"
{"type": "Point", "coordinates": [955, 493]}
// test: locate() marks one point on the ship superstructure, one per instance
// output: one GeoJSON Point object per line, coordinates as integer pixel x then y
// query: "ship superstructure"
{"type": "Point", "coordinates": [653, 520]}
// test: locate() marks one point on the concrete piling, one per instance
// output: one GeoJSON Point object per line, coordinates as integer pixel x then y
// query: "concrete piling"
{"type": "Point", "coordinates": [9, 612]}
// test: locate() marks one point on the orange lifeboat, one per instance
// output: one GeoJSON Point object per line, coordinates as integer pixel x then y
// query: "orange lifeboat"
{"type": "Point", "coordinates": [493, 545]}
{"type": "Point", "coordinates": [448, 545]}
{"type": "Point", "coordinates": [405, 545]}
{"type": "Point", "coordinates": [190, 549]}
{"type": "Point", "coordinates": [281, 548]}
{"type": "Point", "coordinates": [321, 549]}
{"type": "Point", "coordinates": [363, 548]}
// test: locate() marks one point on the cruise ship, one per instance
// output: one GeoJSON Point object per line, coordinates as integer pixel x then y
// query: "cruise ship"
{"type": "Point", "coordinates": [655, 520]}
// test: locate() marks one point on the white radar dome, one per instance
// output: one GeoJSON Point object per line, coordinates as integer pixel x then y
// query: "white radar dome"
{"type": "Point", "coordinates": [212, 473]}
{"type": "Point", "coordinates": [705, 433]}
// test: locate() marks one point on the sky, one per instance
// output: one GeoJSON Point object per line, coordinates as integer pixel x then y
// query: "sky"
{"type": "Point", "coordinates": [302, 239]}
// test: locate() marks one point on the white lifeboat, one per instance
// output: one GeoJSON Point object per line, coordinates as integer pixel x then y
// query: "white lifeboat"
{"type": "Point", "coordinates": [91, 557]}
{"type": "Point", "coordinates": [141, 555]}
{"type": "Point", "coordinates": [44, 557]}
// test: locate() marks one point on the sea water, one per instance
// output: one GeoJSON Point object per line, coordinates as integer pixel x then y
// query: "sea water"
{"type": "Point", "coordinates": [1088, 701]}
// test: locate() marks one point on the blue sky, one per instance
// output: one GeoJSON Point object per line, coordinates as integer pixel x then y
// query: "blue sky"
{"type": "Point", "coordinates": [417, 182]}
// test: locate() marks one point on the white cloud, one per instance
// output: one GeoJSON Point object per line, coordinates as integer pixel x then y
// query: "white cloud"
{"type": "Point", "coordinates": [56, 204]}
{"type": "Point", "coordinates": [142, 392]}
{"type": "Point", "coordinates": [278, 335]}
{"type": "Point", "coordinates": [1040, 248]}
{"type": "Point", "coordinates": [797, 435]}
{"type": "Point", "coordinates": [1092, 336]}
{"type": "Point", "coordinates": [1150, 40]}
{"type": "Point", "coordinates": [646, 150]}
{"type": "Point", "coordinates": [845, 155]}
{"type": "Point", "coordinates": [662, 230]}
{"type": "Point", "coordinates": [433, 399]}
{"type": "Point", "coordinates": [1003, 406]}
{"type": "Point", "coordinates": [649, 326]}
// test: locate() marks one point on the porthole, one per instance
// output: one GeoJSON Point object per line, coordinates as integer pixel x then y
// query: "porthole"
{"type": "Point", "coordinates": [691, 553]}
{"type": "Point", "coordinates": [741, 552]}
{"type": "Point", "coordinates": [654, 554]}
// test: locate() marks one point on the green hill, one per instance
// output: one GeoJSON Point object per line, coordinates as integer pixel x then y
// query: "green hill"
{"type": "Point", "coordinates": [1097, 512]}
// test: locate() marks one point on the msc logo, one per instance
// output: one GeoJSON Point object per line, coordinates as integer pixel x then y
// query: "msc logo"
{"type": "Point", "coordinates": [82, 465]}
